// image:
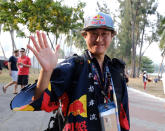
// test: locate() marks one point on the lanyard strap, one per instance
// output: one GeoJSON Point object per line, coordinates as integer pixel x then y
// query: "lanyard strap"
{"type": "Point", "coordinates": [106, 79]}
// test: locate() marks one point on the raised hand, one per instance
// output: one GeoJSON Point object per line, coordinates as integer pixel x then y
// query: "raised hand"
{"type": "Point", "coordinates": [45, 56]}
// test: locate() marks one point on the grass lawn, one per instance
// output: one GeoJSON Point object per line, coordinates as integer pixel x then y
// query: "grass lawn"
{"type": "Point", "coordinates": [155, 89]}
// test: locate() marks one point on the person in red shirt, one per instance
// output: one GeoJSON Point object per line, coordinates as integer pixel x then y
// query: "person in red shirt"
{"type": "Point", "coordinates": [23, 64]}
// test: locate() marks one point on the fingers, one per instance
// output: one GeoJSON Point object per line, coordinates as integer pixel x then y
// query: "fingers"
{"type": "Point", "coordinates": [57, 47]}
{"type": "Point", "coordinates": [34, 43]}
{"type": "Point", "coordinates": [40, 41]}
{"type": "Point", "coordinates": [31, 48]}
{"type": "Point", "coordinates": [44, 40]}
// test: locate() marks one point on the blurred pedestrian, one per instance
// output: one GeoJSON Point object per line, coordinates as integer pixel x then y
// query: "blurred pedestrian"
{"type": "Point", "coordinates": [13, 71]}
{"type": "Point", "coordinates": [23, 64]}
{"type": "Point", "coordinates": [145, 78]}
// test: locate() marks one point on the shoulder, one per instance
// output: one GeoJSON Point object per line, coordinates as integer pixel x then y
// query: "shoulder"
{"type": "Point", "coordinates": [10, 58]}
{"type": "Point", "coordinates": [27, 58]}
{"type": "Point", "coordinates": [118, 63]}
{"type": "Point", "coordinates": [74, 59]}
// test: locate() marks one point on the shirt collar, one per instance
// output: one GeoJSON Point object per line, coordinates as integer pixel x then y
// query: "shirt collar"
{"type": "Point", "coordinates": [90, 56]}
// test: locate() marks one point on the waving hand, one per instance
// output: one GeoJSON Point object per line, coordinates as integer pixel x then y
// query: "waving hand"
{"type": "Point", "coordinates": [46, 57]}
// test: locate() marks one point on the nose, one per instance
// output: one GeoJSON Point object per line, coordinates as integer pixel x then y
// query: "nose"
{"type": "Point", "coordinates": [99, 38]}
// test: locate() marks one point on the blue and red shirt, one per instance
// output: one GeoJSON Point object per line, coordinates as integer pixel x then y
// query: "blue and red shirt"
{"type": "Point", "coordinates": [79, 95]}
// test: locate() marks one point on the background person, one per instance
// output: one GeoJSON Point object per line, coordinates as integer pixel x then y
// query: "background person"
{"type": "Point", "coordinates": [23, 64]}
{"type": "Point", "coordinates": [13, 71]}
{"type": "Point", "coordinates": [145, 79]}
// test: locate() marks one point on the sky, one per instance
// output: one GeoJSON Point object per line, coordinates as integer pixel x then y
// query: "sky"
{"type": "Point", "coordinates": [153, 52]}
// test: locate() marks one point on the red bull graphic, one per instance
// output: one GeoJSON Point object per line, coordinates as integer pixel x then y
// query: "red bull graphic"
{"type": "Point", "coordinates": [49, 106]}
{"type": "Point", "coordinates": [78, 126]}
{"type": "Point", "coordinates": [123, 119]}
{"type": "Point", "coordinates": [98, 19]}
{"type": "Point", "coordinates": [79, 107]}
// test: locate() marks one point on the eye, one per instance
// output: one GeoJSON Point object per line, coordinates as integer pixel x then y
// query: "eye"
{"type": "Point", "coordinates": [94, 33]}
{"type": "Point", "coordinates": [105, 34]}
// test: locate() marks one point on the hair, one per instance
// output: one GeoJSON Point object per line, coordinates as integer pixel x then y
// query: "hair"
{"type": "Point", "coordinates": [23, 49]}
{"type": "Point", "coordinates": [15, 51]}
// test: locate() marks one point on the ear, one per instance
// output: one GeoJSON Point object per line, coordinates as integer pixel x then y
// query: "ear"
{"type": "Point", "coordinates": [113, 33]}
{"type": "Point", "coordinates": [84, 34]}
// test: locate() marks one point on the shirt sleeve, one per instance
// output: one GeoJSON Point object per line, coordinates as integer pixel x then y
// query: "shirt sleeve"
{"type": "Point", "coordinates": [10, 59]}
{"type": "Point", "coordinates": [57, 89]}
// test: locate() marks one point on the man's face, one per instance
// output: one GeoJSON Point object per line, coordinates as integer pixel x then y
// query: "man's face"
{"type": "Point", "coordinates": [17, 54]}
{"type": "Point", "coordinates": [98, 41]}
{"type": "Point", "coordinates": [22, 53]}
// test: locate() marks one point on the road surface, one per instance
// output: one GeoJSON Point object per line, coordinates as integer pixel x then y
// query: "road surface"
{"type": "Point", "coordinates": [20, 121]}
{"type": "Point", "coordinates": [146, 112]}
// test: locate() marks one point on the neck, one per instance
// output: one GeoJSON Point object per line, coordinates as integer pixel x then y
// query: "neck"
{"type": "Point", "coordinates": [100, 59]}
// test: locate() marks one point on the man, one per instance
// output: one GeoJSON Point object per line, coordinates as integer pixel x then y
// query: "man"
{"type": "Point", "coordinates": [83, 83]}
{"type": "Point", "coordinates": [13, 71]}
{"type": "Point", "coordinates": [24, 64]}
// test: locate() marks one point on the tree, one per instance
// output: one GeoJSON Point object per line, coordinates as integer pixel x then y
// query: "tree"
{"type": "Point", "coordinates": [1, 45]}
{"type": "Point", "coordinates": [51, 17]}
{"type": "Point", "coordinates": [161, 33]}
{"type": "Point", "coordinates": [148, 9]}
{"type": "Point", "coordinates": [147, 65]}
{"type": "Point", "coordinates": [9, 18]}
{"type": "Point", "coordinates": [134, 15]}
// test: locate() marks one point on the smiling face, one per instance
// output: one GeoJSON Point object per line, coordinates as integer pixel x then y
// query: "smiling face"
{"type": "Point", "coordinates": [98, 41]}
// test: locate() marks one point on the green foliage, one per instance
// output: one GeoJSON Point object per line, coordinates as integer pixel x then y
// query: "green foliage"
{"type": "Point", "coordinates": [133, 30]}
{"type": "Point", "coordinates": [147, 65]}
{"type": "Point", "coordinates": [46, 15]}
{"type": "Point", "coordinates": [161, 32]}
{"type": "Point", "coordinates": [8, 15]}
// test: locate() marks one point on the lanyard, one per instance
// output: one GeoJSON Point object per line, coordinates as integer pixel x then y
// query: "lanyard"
{"type": "Point", "coordinates": [97, 77]}
{"type": "Point", "coordinates": [106, 79]}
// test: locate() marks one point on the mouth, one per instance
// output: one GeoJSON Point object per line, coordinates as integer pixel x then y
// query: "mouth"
{"type": "Point", "coordinates": [99, 45]}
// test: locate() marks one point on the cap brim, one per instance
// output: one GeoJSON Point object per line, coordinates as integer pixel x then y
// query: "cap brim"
{"type": "Point", "coordinates": [99, 27]}
{"type": "Point", "coordinates": [24, 97]}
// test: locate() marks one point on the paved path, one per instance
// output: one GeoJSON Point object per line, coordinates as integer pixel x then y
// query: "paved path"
{"type": "Point", "coordinates": [20, 121]}
{"type": "Point", "coordinates": [147, 113]}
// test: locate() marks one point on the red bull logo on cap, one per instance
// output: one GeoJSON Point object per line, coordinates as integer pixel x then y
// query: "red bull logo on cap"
{"type": "Point", "coordinates": [98, 19]}
{"type": "Point", "coordinates": [79, 107]}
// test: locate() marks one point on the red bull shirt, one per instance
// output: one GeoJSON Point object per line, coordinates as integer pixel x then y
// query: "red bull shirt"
{"type": "Point", "coordinates": [75, 87]}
